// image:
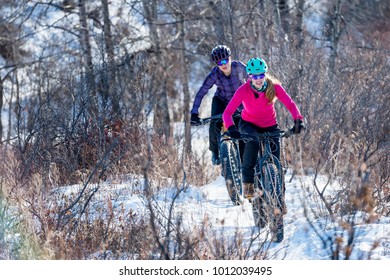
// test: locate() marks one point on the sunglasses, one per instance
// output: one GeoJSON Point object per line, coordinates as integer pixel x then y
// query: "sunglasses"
{"type": "Point", "coordinates": [257, 77]}
{"type": "Point", "coordinates": [223, 62]}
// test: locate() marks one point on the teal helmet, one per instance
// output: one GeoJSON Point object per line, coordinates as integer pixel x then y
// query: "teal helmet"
{"type": "Point", "coordinates": [256, 66]}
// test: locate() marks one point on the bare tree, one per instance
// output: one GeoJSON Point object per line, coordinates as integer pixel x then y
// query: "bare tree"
{"type": "Point", "coordinates": [298, 32]}
{"type": "Point", "coordinates": [1, 107]}
{"type": "Point", "coordinates": [87, 58]}
{"type": "Point", "coordinates": [109, 44]}
{"type": "Point", "coordinates": [159, 77]}
{"type": "Point", "coordinates": [178, 11]}
{"type": "Point", "coordinates": [219, 22]}
{"type": "Point", "coordinates": [10, 51]}
{"type": "Point", "coordinates": [284, 15]}
{"type": "Point", "coordinates": [186, 92]}
{"type": "Point", "coordinates": [336, 28]}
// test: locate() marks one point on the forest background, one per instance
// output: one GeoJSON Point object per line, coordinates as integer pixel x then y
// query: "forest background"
{"type": "Point", "coordinates": [93, 90]}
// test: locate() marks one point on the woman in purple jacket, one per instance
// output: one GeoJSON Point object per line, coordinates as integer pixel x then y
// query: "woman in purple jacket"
{"type": "Point", "coordinates": [258, 96]}
{"type": "Point", "coordinates": [228, 75]}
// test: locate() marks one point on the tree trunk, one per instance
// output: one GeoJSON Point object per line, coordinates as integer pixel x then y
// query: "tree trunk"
{"type": "Point", "coordinates": [87, 59]}
{"type": "Point", "coordinates": [298, 44]}
{"type": "Point", "coordinates": [111, 83]}
{"type": "Point", "coordinates": [1, 108]}
{"type": "Point", "coordinates": [161, 119]}
{"type": "Point", "coordinates": [336, 20]}
{"type": "Point", "coordinates": [298, 36]}
{"type": "Point", "coordinates": [186, 92]}
{"type": "Point", "coordinates": [232, 35]}
{"type": "Point", "coordinates": [284, 15]}
{"type": "Point", "coordinates": [219, 23]}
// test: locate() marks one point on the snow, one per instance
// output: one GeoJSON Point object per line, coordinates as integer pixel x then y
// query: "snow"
{"type": "Point", "coordinates": [310, 232]}
{"type": "Point", "coordinates": [211, 201]}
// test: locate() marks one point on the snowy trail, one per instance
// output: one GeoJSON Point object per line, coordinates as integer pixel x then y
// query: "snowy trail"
{"type": "Point", "coordinates": [220, 207]}
{"type": "Point", "coordinates": [208, 208]}
{"type": "Point", "coordinates": [225, 217]}
{"type": "Point", "coordinates": [235, 219]}
{"type": "Point", "coordinates": [301, 242]}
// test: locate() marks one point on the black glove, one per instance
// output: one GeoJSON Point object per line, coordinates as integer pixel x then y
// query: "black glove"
{"type": "Point", "coordinates": [233, 132]}
{"type": "Point", "coordinates": [195, 120]}
{"type": "Point", "coordinates": [298, 126]}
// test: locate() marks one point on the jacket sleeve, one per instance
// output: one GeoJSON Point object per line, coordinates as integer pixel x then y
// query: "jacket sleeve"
{"type": "Point", "coordinates": [287, 101]}
{"type": "Point", "coordinates": [203, 90]}
{"type": "Point", "coordinates": [234, 103]}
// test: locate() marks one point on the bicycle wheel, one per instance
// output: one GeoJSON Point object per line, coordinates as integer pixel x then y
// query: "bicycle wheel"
{"type": "Point", "coordinates": [273, 194]}
{"type": "Point", "coordinates": [259, 214]}
{"type": "Point", "coordinates": [258, 201]}
{"type": "Point", "coordinates": [231, 170]}
{"type": "Point", "coordinates": [277, 228]}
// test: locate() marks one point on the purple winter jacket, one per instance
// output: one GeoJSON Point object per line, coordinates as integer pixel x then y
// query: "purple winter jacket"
{"type": "Point", "coordinates": [226, 86]}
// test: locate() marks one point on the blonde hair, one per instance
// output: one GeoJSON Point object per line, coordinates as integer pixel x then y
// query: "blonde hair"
{"type": "Point", "coordinates": [270, 91]}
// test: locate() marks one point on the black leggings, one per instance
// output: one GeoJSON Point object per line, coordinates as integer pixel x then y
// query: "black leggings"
{"type": "Point", "coordinates": [217, 107]}
{"type": "Point", "coordinates": [252, 148]}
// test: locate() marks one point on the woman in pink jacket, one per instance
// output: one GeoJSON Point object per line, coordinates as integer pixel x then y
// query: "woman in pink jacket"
{"type": "Point", "coordinates": [258, 96]}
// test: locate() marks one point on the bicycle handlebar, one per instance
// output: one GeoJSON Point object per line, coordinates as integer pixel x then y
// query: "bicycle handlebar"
{"type": "Point", "coordinates": [209, 119]}
{"type": "Point", "coordinates": [214, 117]}
{"type": "Point", "coordinates": [246, 136]}
{"type": "Point", "coordinates": [264, 135]}
{"type": "Point", "coordinates": [261, 135]}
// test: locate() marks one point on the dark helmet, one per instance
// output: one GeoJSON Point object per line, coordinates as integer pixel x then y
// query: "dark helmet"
{"type": "Point", "coordinates": [219, 53]}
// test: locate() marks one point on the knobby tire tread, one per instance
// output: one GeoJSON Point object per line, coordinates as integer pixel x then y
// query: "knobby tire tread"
{"type": "Point", "coordinates": [231, 169]}
{"type": "Point", "coordinates": [268, 207]}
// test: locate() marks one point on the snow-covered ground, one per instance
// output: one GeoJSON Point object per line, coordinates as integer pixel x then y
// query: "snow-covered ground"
{"type": "Point", "coordinates": [303, 235]}
{"type": "Point", "coordinates": [310, 234]}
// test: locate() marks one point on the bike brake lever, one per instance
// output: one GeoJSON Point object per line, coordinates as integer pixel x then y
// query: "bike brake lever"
{"type": "Point", "coordinates": [288, 133]}
{"type": "Point", "coordinates": [193, 124]}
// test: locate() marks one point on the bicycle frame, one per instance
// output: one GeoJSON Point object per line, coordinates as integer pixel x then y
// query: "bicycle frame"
{"type": "Point", "coordinates": [268, 204]}
{"type": "Point", "coordinates": [265, 156]}
{"type": "Point", "coordinates": [230, 161]}
{"type": "Point", "coordinates": [268, 201]}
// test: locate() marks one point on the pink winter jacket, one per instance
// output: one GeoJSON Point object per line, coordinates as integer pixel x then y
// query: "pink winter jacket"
{"type": "Point", "coordinates": [258, 111]}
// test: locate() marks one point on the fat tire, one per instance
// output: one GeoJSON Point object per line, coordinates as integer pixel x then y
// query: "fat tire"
{"type": "Point", "coordinates": [278, 228]}
{"type": "Point", "coordinates": [273, 199]}
{"type": "Point", "coordinates": [259, 214]}
{"type": "Point", "coordinates": [231, 170]}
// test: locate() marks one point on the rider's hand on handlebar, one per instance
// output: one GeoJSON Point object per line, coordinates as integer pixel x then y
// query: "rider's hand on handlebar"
{"type": "Point", "coordinates": [195, 120]}
{"type": "Point", "coordinates": [298, 126]}
{"type": "Point", "coordinates": [233, 132]}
